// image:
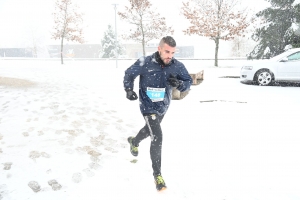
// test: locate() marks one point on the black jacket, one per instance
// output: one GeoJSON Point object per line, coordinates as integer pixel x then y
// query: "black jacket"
{"type": "Point", "coordinates": [155, 93]}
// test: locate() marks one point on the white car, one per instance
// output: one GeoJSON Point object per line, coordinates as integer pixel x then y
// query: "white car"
{"type": "Point", "coordinates": [283, 67]}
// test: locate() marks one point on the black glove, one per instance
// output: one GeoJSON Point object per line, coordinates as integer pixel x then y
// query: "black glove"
{"type": "Point", "coordinates": [131, 95]}
{"type": "Point", "coordinates": [173, 81]}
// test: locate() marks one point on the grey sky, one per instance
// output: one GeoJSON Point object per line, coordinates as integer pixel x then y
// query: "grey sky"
{"type": "Point", "coordinates": [22, 20]}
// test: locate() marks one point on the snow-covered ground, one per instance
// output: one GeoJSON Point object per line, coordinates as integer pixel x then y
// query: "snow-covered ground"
{"type": "Point", "coordinates": [225, 140]}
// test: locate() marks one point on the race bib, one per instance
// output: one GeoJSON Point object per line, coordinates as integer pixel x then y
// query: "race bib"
{"type": "Point", "coordinates": [156, 94]}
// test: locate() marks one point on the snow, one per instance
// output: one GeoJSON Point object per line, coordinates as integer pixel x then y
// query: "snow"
{"type": "Point", "coordinates": [224, 140]}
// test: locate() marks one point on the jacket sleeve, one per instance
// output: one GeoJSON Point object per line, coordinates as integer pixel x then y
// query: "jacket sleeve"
{"type": "Point", "coordinates": [186, 79]}
{"type": "Point", "coordinates": [131, 73]}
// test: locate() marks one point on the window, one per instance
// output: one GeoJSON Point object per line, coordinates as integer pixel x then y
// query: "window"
{"type": "Point", "coordinates": [295, 56]}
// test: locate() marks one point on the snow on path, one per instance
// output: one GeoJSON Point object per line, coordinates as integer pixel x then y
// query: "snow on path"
{"type": "Point", "coordinates": [242, 145]}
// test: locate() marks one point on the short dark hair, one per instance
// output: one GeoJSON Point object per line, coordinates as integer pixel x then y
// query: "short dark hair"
{"type": "Point", "coordinates": [167, 40]}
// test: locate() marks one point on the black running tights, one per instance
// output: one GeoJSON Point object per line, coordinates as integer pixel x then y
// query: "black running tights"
{"type": "Point", "coordinates": [152, 129]}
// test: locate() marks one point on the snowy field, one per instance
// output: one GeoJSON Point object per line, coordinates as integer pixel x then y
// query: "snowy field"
{"type": "Point", "coordinates": [69, 123]}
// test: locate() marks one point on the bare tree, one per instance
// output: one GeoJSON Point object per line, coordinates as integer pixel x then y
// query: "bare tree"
{"type": "Point", "coordinates": [148, 25]}
{"type": "Point", "coordinates": [215, 19]}
{"type": "Point", "coordinates": [67, 23]}
{"type": "Point", "coordinates": [241, 46]}
{"type": "Point", "coordinates": [34, 40]}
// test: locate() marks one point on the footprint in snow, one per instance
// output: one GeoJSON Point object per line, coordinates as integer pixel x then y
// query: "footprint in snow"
{"type": "Point", "coordinates": [77, 177]}
{"type": "Point", "coordinates": [89, 173]}
{"type": "Point", "coordinates": [34, 186]}
{"type": "Point", "coordinates": [7, 165]}
{"type": "Point", "coordinates": [54, 184]}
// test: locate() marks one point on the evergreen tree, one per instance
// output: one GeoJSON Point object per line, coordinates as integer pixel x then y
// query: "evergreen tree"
{"type": "Point", "coordinates": [296, 38]}
{"type": "Point", "coordinates": [110, 45]}
{"type": "Point", "coordinates": [275, 31]}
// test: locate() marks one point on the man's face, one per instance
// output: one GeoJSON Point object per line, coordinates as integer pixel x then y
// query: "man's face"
{"type": "Point", "coordinates": [166, 53]}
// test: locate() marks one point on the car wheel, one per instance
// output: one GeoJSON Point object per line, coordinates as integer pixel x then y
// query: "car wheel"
{"type": "Point", "coordinates": [264, 77]}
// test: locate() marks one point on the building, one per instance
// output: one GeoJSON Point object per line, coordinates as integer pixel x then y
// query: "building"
{"type": "Point", "coordinates": [16, 52]}
{"type": "Point", "coordinates": [75, 50]}
{"type": "Point", "coordinates": [91, 51]}
{"type": "Point", "coordinates": [136, 51]}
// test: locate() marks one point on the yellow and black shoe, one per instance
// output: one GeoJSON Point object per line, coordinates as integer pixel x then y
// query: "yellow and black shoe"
{"type": "Point", "coordinates": [133, 149]}
{"type": "Point", "coordinates": [160, 183]}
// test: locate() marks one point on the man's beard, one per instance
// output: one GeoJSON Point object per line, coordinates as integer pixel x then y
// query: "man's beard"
{"type": "Point", "coordinates": [165, 62]}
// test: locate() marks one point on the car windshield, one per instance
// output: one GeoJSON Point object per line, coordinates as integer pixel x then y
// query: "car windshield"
{"type": "Point", "coordinates": [284, 54]}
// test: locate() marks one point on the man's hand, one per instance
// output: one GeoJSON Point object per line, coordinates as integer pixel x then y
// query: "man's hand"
{"type": "Point", "coordinates": [173, 81]}
{"type": "Point", "coordinates": [131, 95]}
